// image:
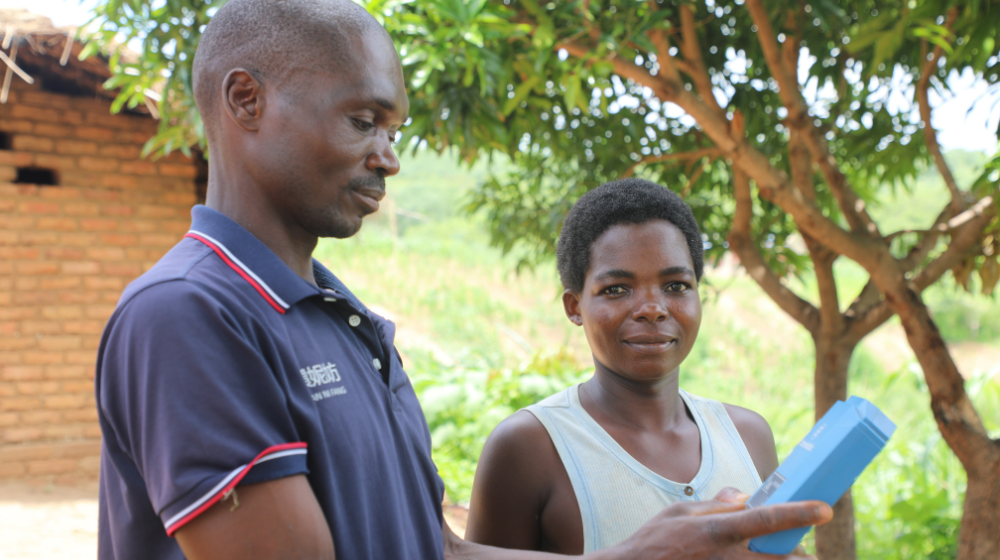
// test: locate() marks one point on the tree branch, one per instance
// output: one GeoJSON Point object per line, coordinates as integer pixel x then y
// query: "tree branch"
{"type": "Point", "coordinates": [968, 228]}
{"type": "Point", "coordinates": [692, 54]}
{"type": "Point", "coordinates": [869, 320]}
{"type": "Point", "coordinates": [868, 312]}
{"type": "Point", "coordinates": [741, 243]}
{"type": "Point", "coordinates": [772, 183]}
{"type": "Point", "coordinates": [927, 242]}
{"type": "Point", "coordinates": [867, 298]}
{"type": "Point", "coordinates": [800, 163]}
{"type": "Point", "coordinates": [930, 135]}
{"type": "Point", "coordinates": [787, 85]}
{"type": "Point", "coordinates": [798, 118]}
{"type": "Point", "coordinates": [691, 156]}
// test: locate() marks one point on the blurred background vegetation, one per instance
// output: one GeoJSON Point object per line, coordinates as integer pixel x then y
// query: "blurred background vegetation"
{"type": "Point", "coordinates": [481, 341]}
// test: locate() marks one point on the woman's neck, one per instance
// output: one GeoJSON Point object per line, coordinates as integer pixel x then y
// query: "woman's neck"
{"type": "Point", "coordinates": [646, 406]}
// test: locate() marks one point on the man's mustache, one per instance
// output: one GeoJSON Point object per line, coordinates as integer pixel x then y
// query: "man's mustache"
{"type": "Point", "coordinates": [367, 182]}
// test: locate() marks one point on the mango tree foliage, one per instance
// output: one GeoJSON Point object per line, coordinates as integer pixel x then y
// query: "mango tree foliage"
{"type": "Point", "coordinates": [166, 34]}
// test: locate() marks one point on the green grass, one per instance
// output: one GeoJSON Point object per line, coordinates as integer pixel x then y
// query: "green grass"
{"type": "Point", "coordinates": [479, 342]}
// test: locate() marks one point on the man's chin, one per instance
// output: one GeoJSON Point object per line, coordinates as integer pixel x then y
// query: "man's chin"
{"type": "Point", "coordinates": [344, 233]}
{"type": "Point", "coordinates": [339, 229]}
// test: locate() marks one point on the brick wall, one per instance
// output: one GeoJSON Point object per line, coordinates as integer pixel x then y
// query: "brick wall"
{"type": "Point", "coordinates": [66, 253]}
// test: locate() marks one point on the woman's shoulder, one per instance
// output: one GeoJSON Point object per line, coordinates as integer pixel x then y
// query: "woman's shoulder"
{"type": "Point", "coordinates": [757, 438]}
{"type": "Point", "coordinates": [746, 421]}
{"type": "Point", "coordinates": [753, 430]}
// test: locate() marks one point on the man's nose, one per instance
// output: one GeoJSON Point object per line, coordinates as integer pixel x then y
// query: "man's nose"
{"type": "Point", "coordinates": [383, 160]}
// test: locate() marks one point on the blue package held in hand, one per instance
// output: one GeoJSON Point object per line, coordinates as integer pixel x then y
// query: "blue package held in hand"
{"type": "Point", "coordinates": [823, 465]}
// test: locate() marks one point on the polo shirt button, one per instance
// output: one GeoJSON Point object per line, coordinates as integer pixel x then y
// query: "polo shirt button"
{"type": "Point", "coordinates": [688, 491]}
{"type": "Point", "coordinates": [377, 363]}
{"type": "Point", "coordinates": [354, 320]}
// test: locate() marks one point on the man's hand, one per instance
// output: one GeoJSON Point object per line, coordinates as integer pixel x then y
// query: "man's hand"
{"type": "Point", "coordinates": [717, 530]}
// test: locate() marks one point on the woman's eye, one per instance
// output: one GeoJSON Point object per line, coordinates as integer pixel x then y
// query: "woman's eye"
{"type": "Point", "coordinates": [677, 287]}
{"type": "Point", "coordinates": [614, 290]}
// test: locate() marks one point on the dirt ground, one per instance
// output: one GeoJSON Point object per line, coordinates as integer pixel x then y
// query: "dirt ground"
{"type": "Point", "coordinates": [60, 523]}
{"type": "Point", "coordinates": [48, 522]}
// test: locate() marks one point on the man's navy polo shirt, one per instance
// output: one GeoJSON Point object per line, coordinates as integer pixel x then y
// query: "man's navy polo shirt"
{"type": "Point", "coordinates": [221, 367]}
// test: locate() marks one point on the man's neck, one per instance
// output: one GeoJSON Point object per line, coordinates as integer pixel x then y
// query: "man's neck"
{"type": "Point", "coordinates": [239, 199]}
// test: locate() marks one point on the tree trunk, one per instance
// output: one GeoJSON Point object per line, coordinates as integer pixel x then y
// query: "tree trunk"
{"type": "Point", "coordinates": [979, 537]}
{"type": "Point", "coordinates": [834, 540]}
{"type": "Point", "coordinates": [961, 427]}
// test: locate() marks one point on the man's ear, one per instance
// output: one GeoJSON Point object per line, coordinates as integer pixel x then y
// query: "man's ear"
{"type": "Point", "coordinates": [571, 304]}
{"type": "Point", "coordinates": [243, 99]}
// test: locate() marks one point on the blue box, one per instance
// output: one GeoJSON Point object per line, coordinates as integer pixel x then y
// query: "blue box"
{"type": "Point", "coordinates": [823, 465]}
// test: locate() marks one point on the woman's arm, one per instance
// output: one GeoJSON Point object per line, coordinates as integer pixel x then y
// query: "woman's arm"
{"type": "Point", "coordinates": [512, 484]}
{"type": "Point", "coordinates": [757, 437]}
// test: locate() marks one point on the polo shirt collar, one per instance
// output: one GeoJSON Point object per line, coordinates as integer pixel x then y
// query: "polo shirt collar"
{"type": "Point", "coordinates": [255, 262]}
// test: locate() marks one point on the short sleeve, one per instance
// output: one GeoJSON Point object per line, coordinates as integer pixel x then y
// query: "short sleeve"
{"type": "Point", "coordinates": [186, 389]}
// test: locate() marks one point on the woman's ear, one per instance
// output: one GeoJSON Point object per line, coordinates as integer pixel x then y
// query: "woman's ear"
{"type": "Point", "coordinates": [571, 304]}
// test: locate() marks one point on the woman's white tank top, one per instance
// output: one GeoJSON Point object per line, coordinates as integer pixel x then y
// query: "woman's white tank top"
{"type": "Point", "coordinates": [615, 492]}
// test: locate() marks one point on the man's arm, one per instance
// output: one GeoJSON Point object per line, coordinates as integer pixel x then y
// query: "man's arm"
{"type": "Point", "coordinates": [282, 519]}
{"type": "Point", "coordinates": [278, 519]}
{"type": "Point", "coordinates": [716, 530]}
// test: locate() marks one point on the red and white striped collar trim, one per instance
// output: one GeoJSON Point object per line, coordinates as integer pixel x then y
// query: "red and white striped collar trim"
{"type": "Point", "coordinates": [229, 482]}
{"type": "Point", "coordinates": [243, 270]}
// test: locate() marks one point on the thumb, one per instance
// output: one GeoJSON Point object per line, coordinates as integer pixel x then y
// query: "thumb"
{"type": "Point", "coordinates": [697, 509]}
{"type": "Point", "coordinates": [731, 496]}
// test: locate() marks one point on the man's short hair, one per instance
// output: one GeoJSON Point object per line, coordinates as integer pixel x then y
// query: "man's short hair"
{"type": "Point", "coordinates": [272, 38]}
{"type": "Point", "coordinates": [626, 201]}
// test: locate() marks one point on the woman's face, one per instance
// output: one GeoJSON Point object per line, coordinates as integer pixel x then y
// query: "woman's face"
{"type": "Point", "coordinates": [639, 306]}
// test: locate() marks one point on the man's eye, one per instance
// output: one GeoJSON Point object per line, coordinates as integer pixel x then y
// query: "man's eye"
{"type": "Point", "coordinates": [614, 290]}
{"type": "Point", "coordinates": [677, 287]}
{"type": "Point", "coordinates": [363, 125]}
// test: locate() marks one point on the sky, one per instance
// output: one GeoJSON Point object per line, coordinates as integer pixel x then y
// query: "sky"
{"type": "Point", "coordinates": [961, 121]}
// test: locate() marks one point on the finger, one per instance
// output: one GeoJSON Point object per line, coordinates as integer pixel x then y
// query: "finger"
{"type": "Point", "coordinates": [697, 509]}
{"type": "Point", "coordinates": [800, 551]}
{"type": "Point", "coordinates": [732, 528]}
{"type": "Point", "coordinates": [732, 496]}
{"type": "Point", "coordinates": [750, 555]}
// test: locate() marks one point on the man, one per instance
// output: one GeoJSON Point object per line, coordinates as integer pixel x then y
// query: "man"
{"type": "Point", "coordinates": [251, 406]}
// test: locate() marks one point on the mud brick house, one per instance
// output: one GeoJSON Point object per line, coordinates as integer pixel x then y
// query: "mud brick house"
{"type": "Point", "coordinates": [81, 215]}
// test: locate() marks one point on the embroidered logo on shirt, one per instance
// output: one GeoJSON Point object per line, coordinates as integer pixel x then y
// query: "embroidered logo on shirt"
{"type": "Point", "coordinates": [322, 374]}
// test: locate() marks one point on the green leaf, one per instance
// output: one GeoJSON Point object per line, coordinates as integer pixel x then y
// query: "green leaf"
{"type": "Point", "coordinates": [520, 92]}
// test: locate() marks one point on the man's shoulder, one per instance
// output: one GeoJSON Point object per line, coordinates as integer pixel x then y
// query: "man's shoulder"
{"type": "Point", "coordinates": [174, 266]}
{"type": "Point", "coordinates": [183, 282]}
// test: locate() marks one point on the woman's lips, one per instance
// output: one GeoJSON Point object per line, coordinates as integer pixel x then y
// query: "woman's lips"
{"type": "Point", "coordinates": [650, 347]}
